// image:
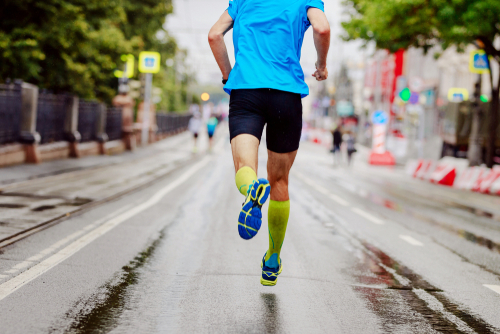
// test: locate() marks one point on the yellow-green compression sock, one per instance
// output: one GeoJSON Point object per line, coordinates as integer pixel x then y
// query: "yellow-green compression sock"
{"type": "Point", "coordinates": [244, 179]}
{"type": "Point", "coordinates": [277, 220]}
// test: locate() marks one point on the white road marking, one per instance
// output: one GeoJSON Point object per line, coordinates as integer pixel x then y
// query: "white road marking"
{"type": "Point", "coordinates": [411, 240]}
{"type": "Point", "coordinates": [29, 261]}
{"type": "Point", "coordinates": [495, 288]}
{"type": "Point", "coordinates": [368, 216]}
{"type": "Point", "coordinates": [17, 282]}
{"type": "Point", "coordinates": [338, 200]}
{"type": "Point", "coordinates": [322, 190]}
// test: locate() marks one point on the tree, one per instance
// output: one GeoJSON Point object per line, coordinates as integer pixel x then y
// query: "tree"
{"type": "Point", "coordinates": [74, 45]}
{"type": "Point", "coordinates": [396, 24]}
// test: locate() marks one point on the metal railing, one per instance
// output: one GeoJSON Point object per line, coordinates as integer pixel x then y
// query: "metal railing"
{"type": "Point", "coordinates": [171, 122]}
{"type": "Point", "coordinates": [114, 123]}
{"type": "Point", "coordinates": [10, 112]}
{"type": "Point", "coordinates": [51, 114]}
{"type": "Point", "coordinates": [87, 119]}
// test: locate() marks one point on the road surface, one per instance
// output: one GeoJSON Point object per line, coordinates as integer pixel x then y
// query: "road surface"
{"type": "Point", "coordinates": [362, 254]}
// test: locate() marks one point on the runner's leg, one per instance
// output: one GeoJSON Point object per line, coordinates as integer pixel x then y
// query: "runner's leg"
{"type": "Point", "coordinates": [246, 123]}
{"type": "Point", "coordinates": [245, 157]}
{"type": "Point", "coordinates": [278, 169]}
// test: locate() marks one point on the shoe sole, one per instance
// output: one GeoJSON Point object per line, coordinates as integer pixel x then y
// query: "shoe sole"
{"type": "Point", "coordinates": [265, 282]}
{"type": "Point", "coordinates": [268, 283]}
{"type": "Point", "coordinates": [250, 218]}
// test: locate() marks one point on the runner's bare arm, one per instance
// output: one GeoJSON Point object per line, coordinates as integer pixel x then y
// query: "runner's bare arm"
{"type": "Point", "coordinates": [216, 41]}
{"type": "Point", "coordinates": [321, 33]}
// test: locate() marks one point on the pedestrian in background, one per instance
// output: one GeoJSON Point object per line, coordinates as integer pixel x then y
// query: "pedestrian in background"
{"type": "Point", "coordinates": [194, 126]}
{"type": "Point", "coordinates": [337, 141]}
{"type": "Point", "coordinates": [350, 141]}
{"type": "Point", "coordinates": [211, 125]}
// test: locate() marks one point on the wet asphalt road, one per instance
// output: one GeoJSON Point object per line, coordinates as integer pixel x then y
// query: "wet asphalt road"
{"type": "Point", "coordinates": [360, 256]}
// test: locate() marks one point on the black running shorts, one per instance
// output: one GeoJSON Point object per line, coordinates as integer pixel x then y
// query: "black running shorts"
{"type": "Point", "coordinates": [251, 109]}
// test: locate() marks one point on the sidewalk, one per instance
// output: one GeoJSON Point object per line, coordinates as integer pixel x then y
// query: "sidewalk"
{"type": "Point", "coordinates": [32, 196]}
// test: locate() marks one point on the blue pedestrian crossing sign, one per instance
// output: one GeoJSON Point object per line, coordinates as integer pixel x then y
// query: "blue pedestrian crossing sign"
{"type": "Point", "coordinates": [478, 62]}
{"type": "Point", "coordinates": [379, 117]}
{"type": "Point", "coordinates": [149, 62]}
{"type": "Point", "coordinates": [458, 94]}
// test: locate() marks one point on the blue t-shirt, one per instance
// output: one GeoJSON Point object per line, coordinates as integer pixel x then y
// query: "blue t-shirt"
{"type": "Point", "coordinates": [267, 37]}
{"type": "Point", "coordinates": [212, 124]}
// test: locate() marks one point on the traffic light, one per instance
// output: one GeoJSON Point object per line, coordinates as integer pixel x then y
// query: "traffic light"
{"type": "Point", "coordinates": [405, 94]}
{"type": "Point", "coordinates": [135, 86]}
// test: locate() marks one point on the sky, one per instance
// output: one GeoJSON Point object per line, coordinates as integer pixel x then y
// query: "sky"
{"type": "Point", "coordinates": [192, 19]}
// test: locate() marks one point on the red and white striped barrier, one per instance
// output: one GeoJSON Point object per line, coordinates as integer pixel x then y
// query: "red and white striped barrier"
{"type": "Point", "coordinates": [426, 169]}
{"type": "Point", "coordinates": [487, 181]}
{"type": "Point", "coordinates": [455, 172]}
{"type": "Point", "coordinates": [444, 174]}
{"type": "Point", "coordinates": [494, 189]}
{"type": "Point", "coordinates": [470, 178]}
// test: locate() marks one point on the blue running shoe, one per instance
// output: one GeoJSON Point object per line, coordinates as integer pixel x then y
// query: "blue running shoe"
{"type": "Point", "coordinates": [270, 274]}
{"type": "Point", "coordinates": [250, 217]}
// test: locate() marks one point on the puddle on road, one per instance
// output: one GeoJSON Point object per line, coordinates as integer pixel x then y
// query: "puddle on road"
{"type": "Point", "coordinates": [401, 298]}
{"type": "Point", "coordinates": [447, 317]}
{"type": "Point", "coordinates": [271, 314]}
{"type": "Point", "coordinates": [101, 313]}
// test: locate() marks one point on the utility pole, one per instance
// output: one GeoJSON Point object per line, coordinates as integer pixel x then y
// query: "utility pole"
{"type": "Point", "coordinates": [475, 140]}
{"type": "Point", "coordinates": [146, 110]}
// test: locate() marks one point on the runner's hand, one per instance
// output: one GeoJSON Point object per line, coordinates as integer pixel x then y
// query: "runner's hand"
{"type": "Point", "coordinates": [321, 73]}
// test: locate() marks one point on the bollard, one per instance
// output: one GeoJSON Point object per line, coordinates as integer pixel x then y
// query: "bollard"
{"type": "Point", "coordinates": [28, 136]}
{"type": "Point", "coordinates": [101, 135]}
{"type": "Point", "coordinates": [71, 126]}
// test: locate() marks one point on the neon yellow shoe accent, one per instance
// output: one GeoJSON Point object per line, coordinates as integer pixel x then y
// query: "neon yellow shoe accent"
{"type": "Point", "coordinates": [270, 275]}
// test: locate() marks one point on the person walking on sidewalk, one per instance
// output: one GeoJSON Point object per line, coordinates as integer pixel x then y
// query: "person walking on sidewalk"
{"type": "Point", "coordinates": [350, 142]}
{"type": "Point", "coordinates": [194, 127]}
{"type": "Point", "coordinates": [266, 86]}
{"type": "Point", "coordinates": [337, 141]}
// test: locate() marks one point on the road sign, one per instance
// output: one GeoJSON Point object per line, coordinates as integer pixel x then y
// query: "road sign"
{"type": "Point", "coordinates": [414, 98]}
{"type": "Point", "coordinates": [149, 62]}
{"type": "Point", "coordinates": [458, 94]}
{"type": "Point", "coordinates": [345, 108]}
{"type": "Point", "coordinates": [129, 67]}
{"type": "Point", "coordinates": [478, 62]}
{"type": "Point", "coordinates": [379, 117]}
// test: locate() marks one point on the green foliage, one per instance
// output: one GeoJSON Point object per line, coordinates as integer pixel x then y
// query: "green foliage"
{"type": "Point", "coordinates": [74, 45]}
{"type": "Point", "coordinates": [396, 24]}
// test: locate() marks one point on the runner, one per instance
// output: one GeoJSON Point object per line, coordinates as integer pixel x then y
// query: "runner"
{"type": "Point", "coordinates": [211, 125]}
{"type": "Point", "coordinates": [194, 126]}
{"type": "Point", "coordinates": [266, 86]}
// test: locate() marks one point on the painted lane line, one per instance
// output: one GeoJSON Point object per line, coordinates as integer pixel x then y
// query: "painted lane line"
{"type": "Point", "coordinates": [17, 282]}
{"type": "Point", "coordinates": [339, 200]}
{"type": "Point", "coordinates": [368, 216]}
{"type": "Point", "coordinates": [411, 240]}
{"type": "Point", "coordinates": [495, 288]}
{"type": "Point", "coordinates": [322, 190]}
{"type": "Point", "coordinates": [31, 260]}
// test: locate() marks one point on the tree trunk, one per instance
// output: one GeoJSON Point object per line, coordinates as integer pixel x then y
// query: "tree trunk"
{"type": "Point", "coordinates": [474, 153]}
{"type": "Point", "coordinates": [492, 126]}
